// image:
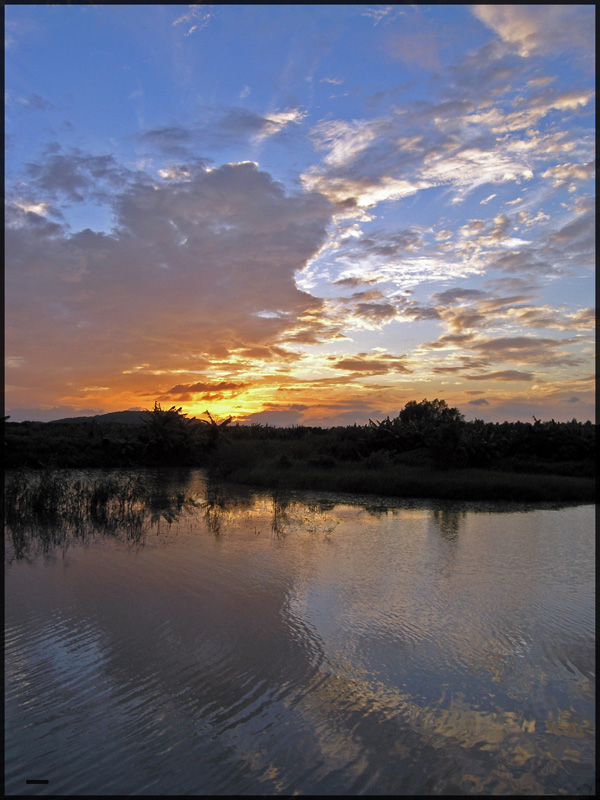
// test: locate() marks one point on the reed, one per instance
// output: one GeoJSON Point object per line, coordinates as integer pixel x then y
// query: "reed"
{"type": "Point", "coordinates": [404, 481]}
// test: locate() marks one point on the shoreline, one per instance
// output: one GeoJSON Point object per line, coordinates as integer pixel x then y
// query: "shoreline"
{"type": "Point", "coordinates": [398, 481]}
{"type": "Point", "coordinates": [419, 483]}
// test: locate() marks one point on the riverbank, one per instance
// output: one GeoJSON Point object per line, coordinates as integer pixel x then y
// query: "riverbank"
{"type": "Point", "coordinates": [420, 457]}
{"type": "Point", "coordinates": [417, 482]}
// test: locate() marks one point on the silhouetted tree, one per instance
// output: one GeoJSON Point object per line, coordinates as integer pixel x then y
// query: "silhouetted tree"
{"type": "Point", "coordinates": [171, 436]}
{"type": "Point", "coordinates": [214, 427]}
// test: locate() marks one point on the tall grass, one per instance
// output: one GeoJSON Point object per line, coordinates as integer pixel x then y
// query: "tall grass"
{"type": "Point", "coordinates": [417, 482]}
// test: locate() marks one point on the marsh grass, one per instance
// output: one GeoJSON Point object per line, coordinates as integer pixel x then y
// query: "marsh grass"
{"type": "Point", "coordinates": [50, 508]}
{"type": "Point", "coordinates": [416, 482]}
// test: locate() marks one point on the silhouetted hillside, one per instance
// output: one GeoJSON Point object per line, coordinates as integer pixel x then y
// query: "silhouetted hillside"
{"type": "Point", "coordinates": [123, 417]}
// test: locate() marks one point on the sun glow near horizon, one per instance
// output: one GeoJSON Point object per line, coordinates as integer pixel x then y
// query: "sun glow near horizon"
{"type": "Point", "coordinates": [285, 233]}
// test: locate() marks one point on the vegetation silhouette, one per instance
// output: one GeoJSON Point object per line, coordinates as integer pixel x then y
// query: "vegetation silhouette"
{"type": "Point", "coordinates": [427, 450]}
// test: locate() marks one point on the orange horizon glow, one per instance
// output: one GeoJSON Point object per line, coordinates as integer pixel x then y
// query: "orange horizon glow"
{"type": "Point", "coordinates": [307, 237]}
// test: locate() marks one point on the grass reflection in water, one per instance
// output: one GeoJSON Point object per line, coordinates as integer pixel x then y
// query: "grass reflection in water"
{"type": "Point", "coordinates": [49, 509]}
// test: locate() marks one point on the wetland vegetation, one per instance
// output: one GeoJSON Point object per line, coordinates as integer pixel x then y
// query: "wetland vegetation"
{"type": "Point", "coordinates": [427, 450]}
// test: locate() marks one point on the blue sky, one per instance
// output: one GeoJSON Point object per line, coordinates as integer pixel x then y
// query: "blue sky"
{"type": "Point", "coordinates": [300, 214]}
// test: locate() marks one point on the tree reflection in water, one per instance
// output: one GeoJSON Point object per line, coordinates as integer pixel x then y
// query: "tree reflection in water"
{"type": "Point", "coordinates": [449, 521]}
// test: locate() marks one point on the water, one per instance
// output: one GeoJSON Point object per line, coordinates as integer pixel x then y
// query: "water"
{"type": "Point", "coordinates": [306, 643]}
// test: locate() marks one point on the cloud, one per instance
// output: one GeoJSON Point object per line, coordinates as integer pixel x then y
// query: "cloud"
{"type": "Point", "coordinates": [220, 129]}
{"type": "Point", "coordinates": [524, 350]}
{"type": "Point", "coordinates": [502, 375]}
{"type": "Point", "coordinates": [75, 175]}
{"type": "Point", "coordinates": [416, 47]}
{"type": "Point", "coordinates": [198, 16]}
{"type": "Point", "coordinates": [376, 313]}
{"type": "Point", "coordinates": [578, 236]}
{"type": "Point", "coordinates": [480, 401]}
{"type": "Point", "coordinates": [465, 310]}
{"type": "Point", "coordinates": [562, 173]}
{"type": "Point", "coordinates": [541, 29]}
{"type": "Point", "coordinates": [36, 102]}
{"type": "Point", "coordinates": [354, 281]}
{"type": "Point", "coordinates": [202, 387]}
{"type": "Point", "coordinates": [377, 13]}
{"type": "Point", "coordinates": [194, 271]}
{"type": "Point", "coordinates": [172, 139]}
{"type": "Point", "coordinates": [484, 128]}
{"type": "Point", "coordinates": [453, 295]}
{"type": "Point", "coordinates": [371, 364]}
{"type": "Point", "coordinates": [367, 163]}
{"type": "Point", "coordinates": [240, 122]}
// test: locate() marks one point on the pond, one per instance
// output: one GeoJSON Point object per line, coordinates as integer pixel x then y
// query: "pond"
{"type": "Point", "coordinates": [246, 642]}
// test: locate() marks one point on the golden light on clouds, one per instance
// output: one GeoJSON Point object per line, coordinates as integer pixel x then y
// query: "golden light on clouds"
{"type": "Point", "coordinates": [303, 248]}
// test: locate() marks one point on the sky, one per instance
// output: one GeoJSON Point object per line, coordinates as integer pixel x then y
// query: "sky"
{"type": "Point", "coordinates": [302, 214]}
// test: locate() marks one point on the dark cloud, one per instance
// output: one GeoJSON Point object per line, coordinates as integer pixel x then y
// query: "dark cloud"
{"type": "Point", "coordinates": [172, 140]}
{"type": "Point", "coordinates": [503, 375]}
{"type": "Point", "coordinates": [417, 312]}
{"type": "Point", "coordinates": [453, 295]}
{"type": "Point", "coordinates": [449, 340]}
{"type": "Point", "coordinates": [515, 344]}
{"type": "Point", "coordinates": [480, 401]}
{"type": "Point", "coordinates": [375, 312]}
{"type": "Point", "coordinates": [218, 129]}
{"type": "Point", "coordinates": [525, 349]}
{"type": "Point", "coordinates": [372, 365]}
{"type": "Point", "coordinates": [579, 235]}
{"type": "Point", "coordinates": [193, 270]}
{"type": "Point", "coordinates": [37, 103]}
{"type": "Point", "coordinates": [75, 175]}
{"type": "Point", "coordinates": [354, 281]}
{"type": "Point", "coordinates": [205, 387]}
{"type": "Point", "coordinates": [488, 70]}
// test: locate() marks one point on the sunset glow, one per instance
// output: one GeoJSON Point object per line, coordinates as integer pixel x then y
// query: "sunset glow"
{"type": "Point", "coordinates": [300, 214]}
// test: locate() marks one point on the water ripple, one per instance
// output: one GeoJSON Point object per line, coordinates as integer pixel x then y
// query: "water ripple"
{"type": "Point", "coordinates": [384, 660]}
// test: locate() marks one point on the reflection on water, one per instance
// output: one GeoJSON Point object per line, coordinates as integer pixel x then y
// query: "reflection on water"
{"type": "Point", "coordinates": [195, 638]}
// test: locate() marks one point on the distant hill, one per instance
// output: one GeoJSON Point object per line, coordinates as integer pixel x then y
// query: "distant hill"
{"type": "Point", "coordinates": [123, 417]}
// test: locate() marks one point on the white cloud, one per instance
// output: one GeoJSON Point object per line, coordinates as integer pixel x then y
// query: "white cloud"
{"type": "Point", "coordinates": [562, 173]}
{"type": "Point", "coordinates": [536, 29]}
{"type": "Point", "coordinates": [378, 13]}
{"type": "Point", "coordinates": [344, 140]}
{"type": "Point", "coordinates": [278, 120]}
{"type": "Point", "coordinates": [199, 15]}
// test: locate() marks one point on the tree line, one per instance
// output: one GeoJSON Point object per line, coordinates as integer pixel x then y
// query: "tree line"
{"type": "Point", "coordinates": [424, 433]}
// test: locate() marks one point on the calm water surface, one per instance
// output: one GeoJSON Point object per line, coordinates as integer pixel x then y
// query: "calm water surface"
{"type": "Point", "coordinates": [310, 644]}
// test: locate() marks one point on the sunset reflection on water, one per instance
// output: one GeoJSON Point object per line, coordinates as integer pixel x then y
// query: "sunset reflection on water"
{"type": "Point", "coordinates": [262, 643]}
